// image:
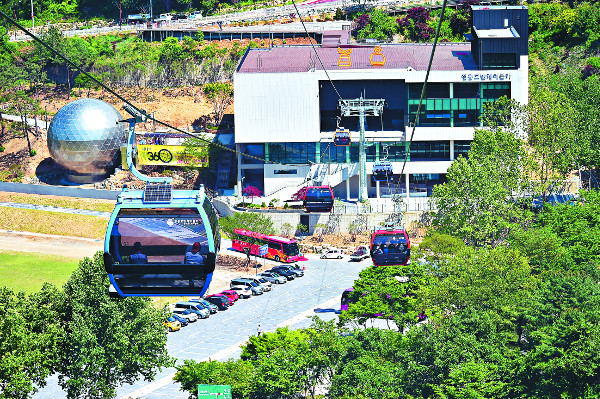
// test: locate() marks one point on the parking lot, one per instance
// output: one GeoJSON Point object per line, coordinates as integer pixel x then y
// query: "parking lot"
{"type": "Point", "coordinates": [219, 336]}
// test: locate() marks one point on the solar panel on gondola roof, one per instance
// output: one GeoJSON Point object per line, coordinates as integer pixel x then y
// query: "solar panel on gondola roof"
{"type": "Point", "coordinates": [158, 193]}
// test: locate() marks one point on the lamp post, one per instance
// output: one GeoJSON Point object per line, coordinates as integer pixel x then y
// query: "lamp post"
{"type": "Point", "coordinates": [242, 192]}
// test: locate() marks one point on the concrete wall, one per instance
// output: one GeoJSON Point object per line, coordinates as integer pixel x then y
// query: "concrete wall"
{"type": "Point", "coordinates": [280, 218]}
{"type": "Point", "coordinates": [62, 191]}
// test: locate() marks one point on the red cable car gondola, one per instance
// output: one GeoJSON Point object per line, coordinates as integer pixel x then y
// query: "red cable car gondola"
{"type": "Point", "coordinates": [318, 199]}
{"type": "Point", "coordinates": [390, 247]}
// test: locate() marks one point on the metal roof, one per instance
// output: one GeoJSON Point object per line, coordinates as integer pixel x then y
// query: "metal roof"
{"type": "Point", "coordinates": [448, 57]}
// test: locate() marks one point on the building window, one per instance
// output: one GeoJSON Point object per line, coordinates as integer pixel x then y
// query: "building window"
{"type": "Point", "coordinates": [332, 154]}
{"type": "Point", "coordinates": [430, 151]}
{"type": "Point", "coordinates": [354, 150]}
{"type": "Point", "coordinates": [255, 150]}
{"type": "Point", "coordinates": [466, 90]}
{"type": "Point", "coordinates": [461, 148]}
{"type": "Point", "coordinates": [493, 91]}
{"type": "Point", "coordinates": [421, 185]}
{"type": "Point", "coordinates": [433, 90]}
{"type": "Point", "coordinates": [285, 172]}
{"type": "Point", "coordinates": [395, 152]}
{"type": "Point", "coordinates": [292, 153]}
{"type": "Point", "coordinates": [499, 61]}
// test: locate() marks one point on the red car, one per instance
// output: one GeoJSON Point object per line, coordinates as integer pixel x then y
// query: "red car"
{"type": "Point", "coordinates": [231, 294]}
{"type": "Point", "coordinates": [229, 300]}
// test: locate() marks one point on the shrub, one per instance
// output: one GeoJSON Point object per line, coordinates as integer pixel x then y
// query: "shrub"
{"type": "Point", "coordinates": [2, 148]}
{"type": "Point", "coordinates": [33, 152]}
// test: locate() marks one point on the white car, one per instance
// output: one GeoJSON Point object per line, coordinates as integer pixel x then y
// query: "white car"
{"type": "Point", "coordinates": [186, 314]}
{"type": "Point", "coordinates": [266, 286]}
{"type": "Point", "coordinates": [273, 277]}
{"type": "Point", "coordinates": [243, 292]}
{"type": "Point", "coordinates": [332, 253]}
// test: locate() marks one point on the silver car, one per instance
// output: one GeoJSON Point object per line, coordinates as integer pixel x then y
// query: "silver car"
{"type": "Point", "coordinates": [273, 277]}
{"type": "Point", "coordinates": [186, 314]}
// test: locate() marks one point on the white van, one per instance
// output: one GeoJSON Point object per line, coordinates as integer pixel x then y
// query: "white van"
{"type": "Point", "coordinates": [332, 253]}
{"type": "Point", "coordinates": [195, 15]}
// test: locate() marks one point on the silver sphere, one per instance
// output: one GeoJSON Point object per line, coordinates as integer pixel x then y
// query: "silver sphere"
{"type": "Point", "coordinates": [85, 137]}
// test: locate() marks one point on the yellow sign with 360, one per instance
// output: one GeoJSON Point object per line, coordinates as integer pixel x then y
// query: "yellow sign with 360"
{"type": "Point", "coordinates": [173, 155]}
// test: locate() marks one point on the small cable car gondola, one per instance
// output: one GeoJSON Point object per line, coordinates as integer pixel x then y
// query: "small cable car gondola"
{"type": "Point", "coordinates": [342, 138]}
{"type": "Point", "coordinates": [159, 241]}
{"type": "Point", "coordinates": [382, 171]}
{"type": "Point", "coordinates": [390, 247]}
{"type": "Point", "coordinates": [318, 199]}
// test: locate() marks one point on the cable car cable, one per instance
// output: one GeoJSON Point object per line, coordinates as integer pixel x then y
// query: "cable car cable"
{"type": "Point", "coordinates": [37, 39]}
{"type": "Point", "coordinates": [315, 50]}
{"type": "Point", "coordinates": [435, 40]}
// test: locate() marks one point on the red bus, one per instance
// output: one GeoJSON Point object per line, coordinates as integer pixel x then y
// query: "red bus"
{"type": "Point", "coordinates": [280, 249]}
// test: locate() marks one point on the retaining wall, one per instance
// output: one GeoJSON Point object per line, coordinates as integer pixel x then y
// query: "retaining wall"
{"type": "Point", "coordinates": [62, 191]}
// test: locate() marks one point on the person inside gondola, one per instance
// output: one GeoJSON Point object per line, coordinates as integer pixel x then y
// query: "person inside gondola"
{"type": "Point", "coordinates": [378, 250]}
{"type": "Point", "coordinates": [138, 257]}
{"type": "Point", "coordinates": [194, 257]}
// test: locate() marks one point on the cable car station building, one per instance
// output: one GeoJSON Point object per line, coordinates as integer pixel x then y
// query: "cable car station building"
{"type": "Point", "coordinates": [287, 110]}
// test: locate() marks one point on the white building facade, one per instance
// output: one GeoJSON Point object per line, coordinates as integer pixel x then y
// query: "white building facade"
{"type": "Point", "coordinates": [286, 107]}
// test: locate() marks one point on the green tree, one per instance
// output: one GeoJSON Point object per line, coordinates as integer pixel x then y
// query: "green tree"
{"type": "Point", "coordinates": [237, 373]}
{"type": "Point", "coordinates": [561, 357]}
{"type": "Point", "coordinates": [252, 221]}
{"type": "Point", "coordinates": [552, 136]}
{"type": "Point", "coordinates": [106, 342]}
{"type": "Point", "coordinates": [388, 292]}
{"type": "Point", "coordinates": [476, 203]}
{"type": "Point", "coordinates": [29, 336]}
{"type": "Point", "coordinates": [220, 95]}
{"type": "Point", "coordinates": [381, 26]}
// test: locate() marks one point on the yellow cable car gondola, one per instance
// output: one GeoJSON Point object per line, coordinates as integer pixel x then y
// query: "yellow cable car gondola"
{"type": "Point", "coordinates": [342, 138]}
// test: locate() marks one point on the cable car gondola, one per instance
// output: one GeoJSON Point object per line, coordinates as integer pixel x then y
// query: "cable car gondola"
{"type": "Point", "coordinates": [318, 199]}
{"type": "Point", "coordinates": [390, 247]}
{"type": "Point", "coordinates": [382, 171]}
{"type": "Point", "coordinates": [157, 247]}
{"type": "Point", "coordinates": [159, 241]}
{"type": "Point", "coordinates": [342, 138]}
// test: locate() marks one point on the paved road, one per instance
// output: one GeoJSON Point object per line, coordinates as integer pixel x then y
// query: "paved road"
{"type": "Point", "coordinates": [220, 336]}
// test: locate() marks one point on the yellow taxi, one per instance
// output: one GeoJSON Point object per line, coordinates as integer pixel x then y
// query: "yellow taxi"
{"type": "Point", "coordinates": [172, 324]}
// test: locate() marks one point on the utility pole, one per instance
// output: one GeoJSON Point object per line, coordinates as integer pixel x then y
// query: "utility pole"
{"type": "Point", "coordinates": [362, 108]}
{"type": "Point", "coordinates": [32, 15]}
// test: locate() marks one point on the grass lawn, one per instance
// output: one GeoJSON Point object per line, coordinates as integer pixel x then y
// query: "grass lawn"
{"type": "Point", "coordinates": [21, 271]}
{"type": "Point", "coordinates": [52, 223]}
{"type": "Point", "coordinates": [62, 202]}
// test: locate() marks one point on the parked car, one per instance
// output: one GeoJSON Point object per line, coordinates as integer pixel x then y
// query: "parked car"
{"type": "Point", "coordinates": [164, 17]}
{"type": "Point", "coordinates": [332, 253]}
{"type": "Point", "coordinates": [182, 320]}
{"type": "Point", "coordinates": [251, 285]}
{"type": "Point", "coordinates": [231, 294]}
{"type": "Point", "coordinates": [296, 269]}
{"type": "Point", "coordinates": [296, 272]}
{"type": "Point", "coordinates": [221, 301]}
{"type": "Point", "coordinates": [172, 324]}
{"type": "Point", "coordinates": [273, 277]}
{"type": "Point", "coordinates": [266, 286]}
{"type": "Point", "coordinates": [195, 15]}
{"type": "Point", "coordinates": [242, 291]}
{"type": "Point", "coordinates": [187, 314]}
{"type": "Point", "coordinates": [230, 301]}
{"type": "Point", "coordinates": [289, 275]}
{"type": "Point", "coordinates": [212, 308]}
{"type": "Point", "coordinates": [362, 252]}
{"type": "Point", "coordinates": [194, 307]}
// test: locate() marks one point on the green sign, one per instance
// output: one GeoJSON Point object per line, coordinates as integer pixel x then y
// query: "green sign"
{"type": "Point", "coordinates": [214, 391]}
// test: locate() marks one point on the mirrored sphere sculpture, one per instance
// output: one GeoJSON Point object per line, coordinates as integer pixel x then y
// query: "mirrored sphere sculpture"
{"type": "Point", "coordinates": [85, 137]}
